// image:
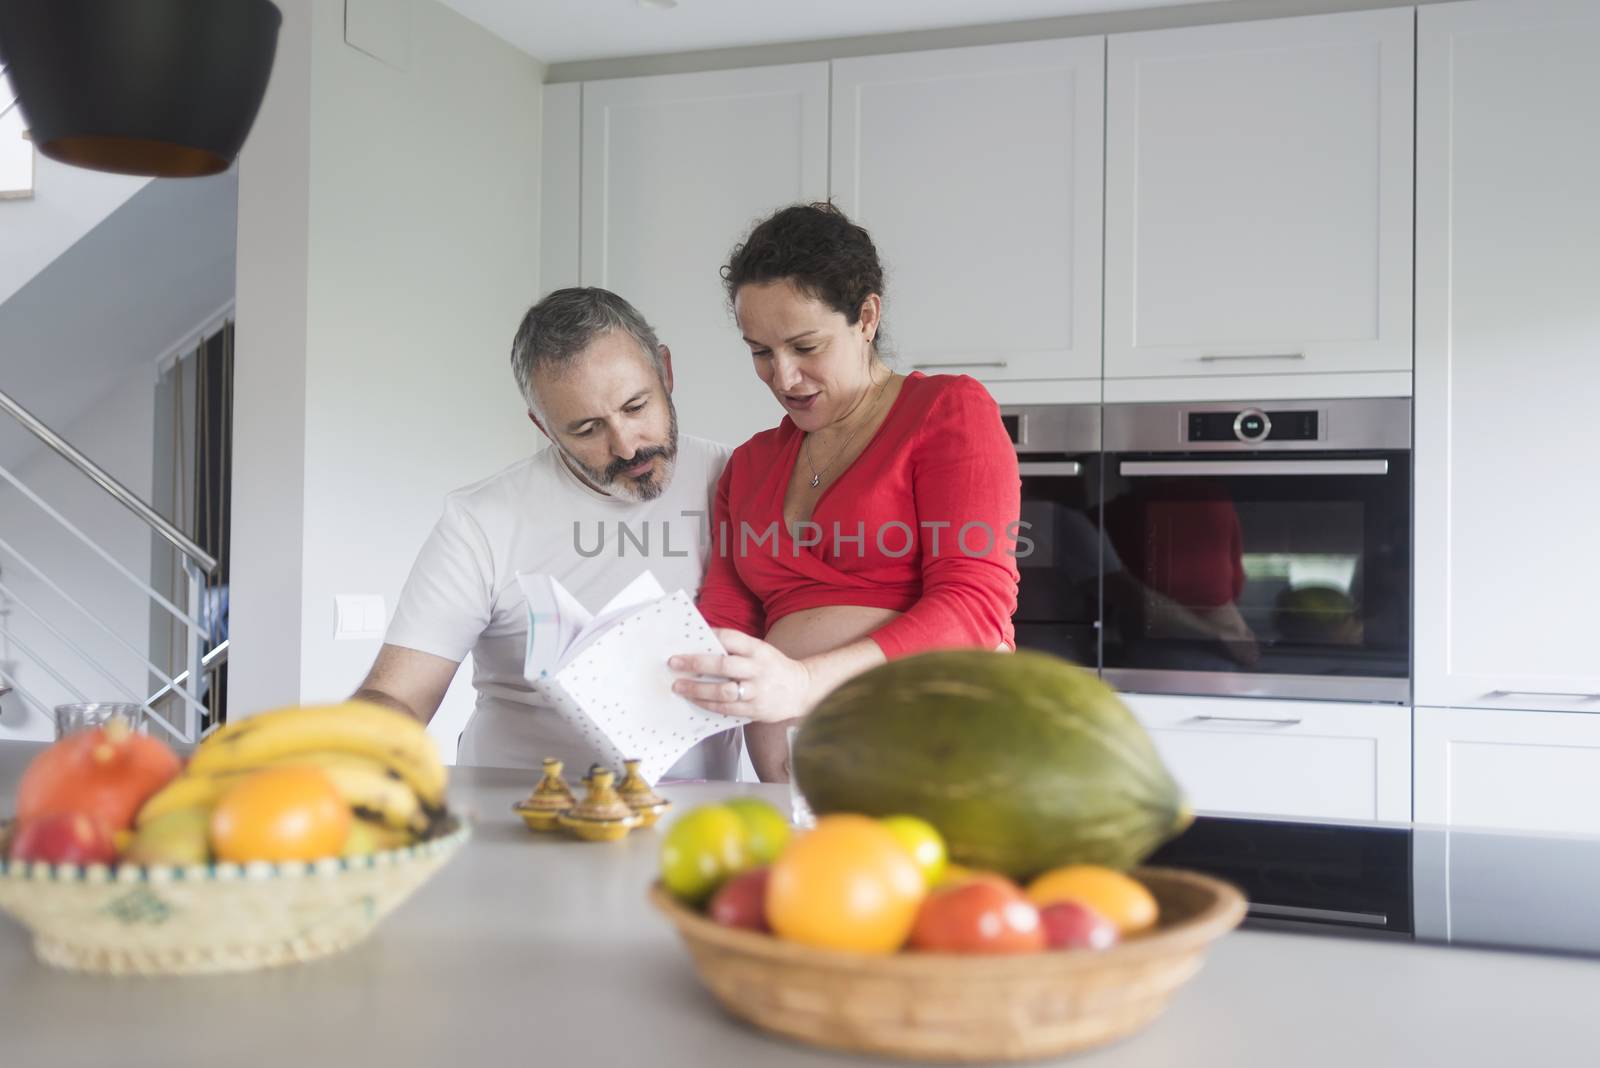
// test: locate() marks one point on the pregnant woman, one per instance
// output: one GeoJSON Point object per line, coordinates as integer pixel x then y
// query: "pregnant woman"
{"type": "Point", "coordinates": [877, 520]}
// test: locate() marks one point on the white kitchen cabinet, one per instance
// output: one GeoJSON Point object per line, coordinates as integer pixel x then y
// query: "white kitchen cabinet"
{"type": "Point", "coordinates": [675, 170]}
{"type": "Point", "coordinates": [1258, 197]}
{"type": "Point", "coordinates": [1315, 759]}
{"type": "Point", "coordinates": [1508, 356]}
{"type": "Point", "coordinates": [978, 172]}
{"type": "Point", "coordinates": [1479, 767]}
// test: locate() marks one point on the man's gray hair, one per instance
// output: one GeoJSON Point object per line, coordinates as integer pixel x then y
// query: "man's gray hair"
{"type": "Point", "coordinates": [566, 322]}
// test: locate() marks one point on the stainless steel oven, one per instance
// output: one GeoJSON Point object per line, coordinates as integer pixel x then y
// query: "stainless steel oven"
{"type": "Point", "coordinates": [1058, 555]}
{"type": "Point", "coordinates": [1257, 549]}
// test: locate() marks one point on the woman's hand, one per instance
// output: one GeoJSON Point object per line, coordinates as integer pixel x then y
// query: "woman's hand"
{"type": "Point", "coordinates": [767, 686]}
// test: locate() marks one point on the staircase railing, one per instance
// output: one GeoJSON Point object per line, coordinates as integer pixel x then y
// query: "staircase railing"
{"type": "Point", "coordinates": [188, 685]}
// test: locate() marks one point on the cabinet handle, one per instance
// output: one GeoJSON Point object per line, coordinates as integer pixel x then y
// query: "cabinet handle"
{"type": "Point", "coordinates": [1269, 468]}
{"type": "Point", "coordinates": [1066, 467]}
{"type": "Point", "coordinates": [1217, 357]}
{"type": "Point", "coordinates": [961, 363]}
{"type": "Point", "coordinates": [1244, 719]}
{"type": "Point", "coordinates": [1544, 693]}
{"type": "Point", "coordinates": [1302, 912]}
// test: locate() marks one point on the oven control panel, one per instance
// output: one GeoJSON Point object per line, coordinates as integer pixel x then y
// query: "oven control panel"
{"type": "Point", "coordinates": [1253, 426]}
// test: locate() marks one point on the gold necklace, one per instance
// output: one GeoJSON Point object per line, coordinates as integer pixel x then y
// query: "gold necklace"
{"type": "Point", "coordinates": [816, 476]}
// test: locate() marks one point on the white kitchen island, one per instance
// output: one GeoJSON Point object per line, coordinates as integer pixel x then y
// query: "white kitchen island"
{"type": "Point", "coordinates": [535, 951]}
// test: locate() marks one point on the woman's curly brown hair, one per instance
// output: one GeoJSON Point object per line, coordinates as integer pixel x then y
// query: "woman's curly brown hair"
{"type": "Point", "coordinates": [818, 249]}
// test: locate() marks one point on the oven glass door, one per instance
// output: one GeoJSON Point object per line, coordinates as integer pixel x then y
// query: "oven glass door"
{"type": "Point", "coordinates": [1059, 560]}
{"type": "Point", "coordinates": [1284, 569]}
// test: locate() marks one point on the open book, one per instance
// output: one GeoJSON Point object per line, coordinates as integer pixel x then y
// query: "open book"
{"type": "Point", "coordinates": [607, 673]}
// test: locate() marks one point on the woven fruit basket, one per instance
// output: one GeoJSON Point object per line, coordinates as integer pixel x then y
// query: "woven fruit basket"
{"type": "Point", "coordinates": [963, 1008]}
{"type": "Point", "coordinates": [168, 920]}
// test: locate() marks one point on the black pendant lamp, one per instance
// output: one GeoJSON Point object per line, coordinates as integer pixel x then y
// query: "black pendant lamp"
{"type": "Point", "coordinates": [167, 88]}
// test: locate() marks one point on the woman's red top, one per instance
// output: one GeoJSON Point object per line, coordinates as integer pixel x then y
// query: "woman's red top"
{"type": "Point", "coordinates": [924, 522]}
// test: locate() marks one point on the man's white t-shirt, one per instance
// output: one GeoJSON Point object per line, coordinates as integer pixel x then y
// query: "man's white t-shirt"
{"type": "Point", "coordinates": [538, 517]}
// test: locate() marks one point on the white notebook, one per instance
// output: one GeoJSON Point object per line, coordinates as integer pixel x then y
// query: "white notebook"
{"type": "Point", "coordinates": [607, 673]}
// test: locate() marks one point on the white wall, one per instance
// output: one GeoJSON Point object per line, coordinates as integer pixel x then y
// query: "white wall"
{"type": "Point", "coordinates": [125, 294]}
{"type": "Point", "coordinates": [388, 247]}
{"type": "Point", "coordinates": [269, 380]}
{"type": "Point", "coordinates": [16, 151]}
{"type": "Point", "coordinates": [67, 203]}
{"type": "Point", "coordinates": [115, 432]}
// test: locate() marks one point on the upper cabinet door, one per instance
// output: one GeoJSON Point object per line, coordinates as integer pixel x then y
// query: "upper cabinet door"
{"type": "Point", "coordinates": [1508, 355]}
{"type": "Point", "coordinates": [978, 173]}
{"type": "Point", "coordinates": [1258, 197]}
{"type": "Point", "coordinates": [676, 169]}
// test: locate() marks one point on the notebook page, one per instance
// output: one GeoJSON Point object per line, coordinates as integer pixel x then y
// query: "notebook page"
{"type": "Point", "coordinates": [555, 621]}
{"type": "Point", "coordinates": [639, 592]}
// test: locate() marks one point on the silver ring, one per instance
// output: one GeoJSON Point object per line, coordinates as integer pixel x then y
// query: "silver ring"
{"type": "Point", "coordinates": [740, 691]}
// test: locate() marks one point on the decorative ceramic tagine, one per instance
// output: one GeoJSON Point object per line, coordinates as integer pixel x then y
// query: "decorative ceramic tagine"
{"type": "Point", "coordinates": [541, 809]}
{"type": "Point", "coordinates": [640, 797]}
{"type": "Point", "coordinates": [602, 816]}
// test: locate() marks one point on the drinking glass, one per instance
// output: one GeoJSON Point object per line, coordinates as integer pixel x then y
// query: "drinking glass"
{"type": "Point", "coordinates": [83, 716]}
{"type": "Point", "coordinates": [799, 812]}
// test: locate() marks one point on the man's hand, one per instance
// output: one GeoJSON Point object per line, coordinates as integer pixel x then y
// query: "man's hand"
{"type": "Point", "coordinates": [407, 680]}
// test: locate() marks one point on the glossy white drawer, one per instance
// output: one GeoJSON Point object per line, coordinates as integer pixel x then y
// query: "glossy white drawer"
{"type": "Point", "coordinates": [1284, 758]}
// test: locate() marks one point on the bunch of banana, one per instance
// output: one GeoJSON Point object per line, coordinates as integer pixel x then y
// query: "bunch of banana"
{"type": "Point", "coordinates": [382, 761]}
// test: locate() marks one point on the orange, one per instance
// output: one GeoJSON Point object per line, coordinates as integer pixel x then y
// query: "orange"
{"type": "Point", "coordinates": [1119, 898]}
{"type": "Point", "coordinates": [849, 884]}
{"type": "Point", "coordinates": [289, 813]}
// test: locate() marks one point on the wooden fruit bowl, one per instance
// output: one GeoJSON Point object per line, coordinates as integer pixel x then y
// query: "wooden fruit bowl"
{"type": "Point", "coordinates": [942, 1007]}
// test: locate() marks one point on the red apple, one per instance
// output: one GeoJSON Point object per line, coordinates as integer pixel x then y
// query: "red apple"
{"type": "Point", "coordinates": [986, 915]}
{"type": "Point", "coordinates": [1073, 925]}
{"type": "Point", "coordinates": [742, 901]}
{"type": "Point", "coordinates": [65, 838]}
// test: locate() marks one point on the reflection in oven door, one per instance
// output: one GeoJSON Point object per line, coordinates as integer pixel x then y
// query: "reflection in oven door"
{"type": "Point", "coordinates": [1058, 554]}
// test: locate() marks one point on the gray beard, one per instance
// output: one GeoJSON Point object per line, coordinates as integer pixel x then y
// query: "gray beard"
{"type": "Point", "coordinates": [613, 481]}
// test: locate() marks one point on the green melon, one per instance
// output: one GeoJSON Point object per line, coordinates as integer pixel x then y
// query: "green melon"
{"type": "Point", "coordinates": [1022, 761]}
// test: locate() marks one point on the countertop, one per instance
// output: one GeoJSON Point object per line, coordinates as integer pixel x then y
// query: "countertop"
{"type": "Point", "coordinates": [524, 949]}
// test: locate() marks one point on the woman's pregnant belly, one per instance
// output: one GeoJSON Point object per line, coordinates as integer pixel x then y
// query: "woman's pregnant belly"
{"type": "Point", "coordinates": [811, 631]}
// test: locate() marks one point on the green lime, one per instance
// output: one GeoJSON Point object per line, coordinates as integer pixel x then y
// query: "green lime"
{"type": "Point", "coordinates": [766, 831]}
{"type": "Point", "coordinates": [924, 842]}
{"type": "Point", "coordinates": [701, 851]}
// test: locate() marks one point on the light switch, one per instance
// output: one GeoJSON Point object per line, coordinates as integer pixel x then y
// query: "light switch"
{"type": "Point", "coordinates": [361, 616]}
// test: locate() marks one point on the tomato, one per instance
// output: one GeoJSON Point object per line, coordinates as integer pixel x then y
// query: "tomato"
{"type": "Point", "coordinates": [1073, 925]}
{"type": "Point", "coordinates": [288, 813]}
{"type": "Point", "coordinates": [848, 885]}
{"type": "Point", "coordinates": [742, 901]}
{"type": "Point", "coordinates": [766, 831]}
{"type": "Point", "coordinates": [983, 915]}
{"type": "Point", "coordinates": [924, 842]}
{"type": "Point", "coordinates": [1119, 898]}
{"type": "Point", "coordinates": [701, 851]}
